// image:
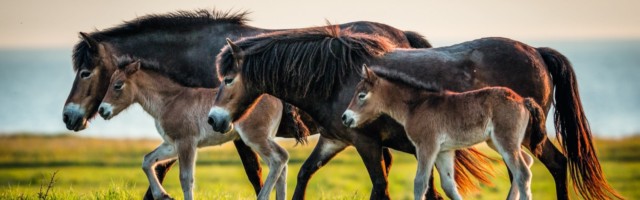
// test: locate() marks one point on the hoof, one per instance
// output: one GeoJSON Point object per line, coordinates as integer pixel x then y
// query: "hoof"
{"type": "Point", "coordinates": [166, 197]}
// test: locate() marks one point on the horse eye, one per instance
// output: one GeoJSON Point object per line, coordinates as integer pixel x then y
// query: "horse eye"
{"type": "Point", "coordinates": [362, 95]}
{"type": "Point", "coordinates": [84, 74]}
{"type": "Point", "coordinates": [228, 81]}
{"type": "Point", "coordinates": [118, 86]}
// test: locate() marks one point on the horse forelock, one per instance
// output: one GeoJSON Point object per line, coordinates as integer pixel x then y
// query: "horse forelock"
{"type": "Point", "coordinates": [309, 62]}
{"type": "Point", "coordinates": [82, 56]}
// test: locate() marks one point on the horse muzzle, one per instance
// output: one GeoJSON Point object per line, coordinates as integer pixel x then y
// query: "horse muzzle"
{"type": "Point", "coordinates": [348, 119]}
{"type": "Point", "coordinates": [106, 111]}
{"type": "Point", "coordinates": [73, 117]}
{"type": "Point", "coordinates": [220, 120]}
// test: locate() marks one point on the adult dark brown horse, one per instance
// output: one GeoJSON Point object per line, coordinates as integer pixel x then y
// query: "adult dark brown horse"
{"type": "Point", "coordinates": [318, 69]}
{"type": "Point", "coordinates": [186, 44]}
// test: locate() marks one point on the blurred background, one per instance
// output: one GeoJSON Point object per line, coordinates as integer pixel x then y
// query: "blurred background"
{"type": "Point", "coordinates": [600, 38]}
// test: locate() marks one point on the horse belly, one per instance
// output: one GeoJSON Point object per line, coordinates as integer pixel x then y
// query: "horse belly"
{"type": "Point", "coordinates": [467, 138]}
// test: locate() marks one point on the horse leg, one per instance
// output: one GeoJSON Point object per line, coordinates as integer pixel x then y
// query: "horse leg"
{"type": "Point", "coordinates": [388, 159]}
{"type": "Point", "coordinates": [251, 164]}
{"type": "Point", "coordinates": [324, 151]}
{"type": "Point", "coordinates": [511, 153]}
{"type": "Point", "coordinates": [163, 152]}
{"type": "Point", "coordinates": [444, 164]}
{"type": "Point", "coordinates": [187, 155]}
{"type": "Point", "coordinates": [161, 170]}
{"type": "Point", "coordinates": [426, 158]}
{"type": "Point", "coordinates": [556, 163]}
{"type": "Point", "coordinates": [276, 157]}
{"type": "Point", "coordinates": [370, 151]}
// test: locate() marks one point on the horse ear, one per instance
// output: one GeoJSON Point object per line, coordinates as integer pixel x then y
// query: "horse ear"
{"type": "Point", "coordinates": [367, 74]}
{"type": "Point", "coordinates": [132, 68]}
{"type": "Point", "coordinates": [235, 49]}
{"type": "Point", "coordinates": [89, 40]}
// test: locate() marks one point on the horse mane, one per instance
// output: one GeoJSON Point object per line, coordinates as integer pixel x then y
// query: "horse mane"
{"type": "Point", "coordinates": [124, 60]}
{"type": "Point", "coordinates": [400, 77]}
{"type": "Point", "coordinates": [175, 21]}
{"type": "Point", "coordinates": [309, 62]}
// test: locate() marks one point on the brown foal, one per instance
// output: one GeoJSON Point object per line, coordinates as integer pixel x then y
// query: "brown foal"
{"type": "Point", "coordinates": [439, 122]}
{"type": "Point", "coordinates": [181, 119]}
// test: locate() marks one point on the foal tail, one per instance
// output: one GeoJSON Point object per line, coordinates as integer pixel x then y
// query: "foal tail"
{"type": "Point", "coordinates": [416, 40]}
{"type": "Point", "coordinates": [572, 129]}
{"type": "Point", "coordinates": [537, 122]}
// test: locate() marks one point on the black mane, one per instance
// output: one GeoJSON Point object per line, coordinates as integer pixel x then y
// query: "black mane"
{"type": "Point", "coordinates": [123, 61]}
{"type": "Point", "coordinates": [400, 77]}
{"type": "Point", "coordinates": [176, 21]}
{"type": "Point", "coordinates": [305, 63]}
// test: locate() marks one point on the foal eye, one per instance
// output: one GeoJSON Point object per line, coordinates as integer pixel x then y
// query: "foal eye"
{"type": "Point", "coordinates": [118, 86]}
{"type": "Point", "coordinates": [85, 74]}
{"type": "Point", "coordinates": [362, 95]}
{"type": "Point", "coordinates": [228, 81]}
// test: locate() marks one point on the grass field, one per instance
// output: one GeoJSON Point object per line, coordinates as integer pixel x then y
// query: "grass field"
{"type": "Point", "coordinates": [110, 169]}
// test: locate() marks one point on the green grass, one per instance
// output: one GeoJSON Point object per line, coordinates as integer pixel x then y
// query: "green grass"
{"type": "Point", "coordinates": [110, 169]}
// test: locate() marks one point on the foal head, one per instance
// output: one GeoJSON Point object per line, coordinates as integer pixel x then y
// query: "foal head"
{"type": "Point", "coordinates": [93, 65]}
{"type": "Point", "coordinates": [121, 92]}
{"type": "Point", "coordinates": [366, 105]}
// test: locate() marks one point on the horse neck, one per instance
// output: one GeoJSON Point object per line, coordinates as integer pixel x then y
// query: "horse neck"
{"type": "Point", "coordinates": [401, 101]}
{"type": "Point", "coordinates": [190, 55]}
{"type": "Point", "coordinates": [155, 92]}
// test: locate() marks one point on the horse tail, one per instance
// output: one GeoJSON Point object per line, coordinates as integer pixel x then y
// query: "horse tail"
{"type": "Point", "coordinates": [572, 129]}
{"type": "Point", "coordinates": [471, 162]}
{"type": "Point", "coordinates": [416, 40]}
{"type": "Point", "coordinates": [538, 129]}
{"type": "Point", "coordinates": [291, 121]}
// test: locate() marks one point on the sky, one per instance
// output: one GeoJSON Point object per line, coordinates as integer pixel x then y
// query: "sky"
{"type": "Point", "coordinates": [54, 24]}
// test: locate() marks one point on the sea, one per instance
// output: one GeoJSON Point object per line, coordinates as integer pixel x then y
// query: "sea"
{"type": "Point", "coordinates": [34, 84]}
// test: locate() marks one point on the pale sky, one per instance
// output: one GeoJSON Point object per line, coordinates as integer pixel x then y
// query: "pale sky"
{"type": "Point", "coordinates": [36, 23]}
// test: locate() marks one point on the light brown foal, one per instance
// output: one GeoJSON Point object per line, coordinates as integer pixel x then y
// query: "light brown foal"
{"type": "Point", "coordinates": [181, 119]}
{"type": "Point", "coordinates": [439, 122]}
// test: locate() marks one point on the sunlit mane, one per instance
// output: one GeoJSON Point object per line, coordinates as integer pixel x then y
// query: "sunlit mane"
{"type": "Point", "coordinates": [406, 79]}
{"type": "Point", "coordinates": [305, 63]}
{"type": "Point", "coordinates": [176, 21]}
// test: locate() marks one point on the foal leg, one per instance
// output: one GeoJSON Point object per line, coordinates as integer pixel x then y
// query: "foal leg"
{"type": "Point", "coordinates": [276, 157]}
{"type": "Point", "coordinates": [163, 152]}
{"type": "Point", "coordinates": [251, 164]}
{"type": "Point", "coordinates": [187, 155]}
{"type": "Point", "coordinates": [324, 151]}
{"type": "Point", "coordinates": [427, 155]}
{"type": "Point", "coordinates": [512, 156]}
{"type": "Point", "coordinates": [445, 165]}
{"type": "Point", "coordinates": [161, 170]}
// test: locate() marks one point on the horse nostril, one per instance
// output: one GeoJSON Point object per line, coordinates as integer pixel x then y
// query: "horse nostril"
{"type": "Point", "coordinates": [65, 118]}
{"type": "Point", "coordinates": [344, 117]}
{"type": "Point", "coordinates": [101, 110]}
{"type": "Point", "coordinates": [210, 121]}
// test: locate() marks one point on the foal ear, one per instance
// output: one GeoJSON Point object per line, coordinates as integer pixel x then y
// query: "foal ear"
{"type": "Point", "coordinates": [89, 40]}
{"type": "Point", "coordinates": [132, 68]}
{"type": "Point", "coordinates": [367, 74]}
{"type": "Point", "coordinates": [235, 49]}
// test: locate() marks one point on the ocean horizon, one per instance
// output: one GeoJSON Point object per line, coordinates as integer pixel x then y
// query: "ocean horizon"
{"type": "Point", "coordinates": [34, 84]}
